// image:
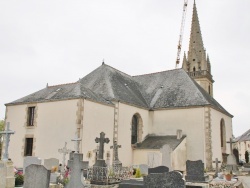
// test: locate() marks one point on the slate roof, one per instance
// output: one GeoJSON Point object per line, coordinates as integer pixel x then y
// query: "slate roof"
{"type": "Point", "coordinates": [244, 137]}
{"type": "Point", "coordinates": [167, 89]}
{"type": "Point", "coordinates": [61, 92]}
{"type": "Point", "coordinates": [156, 142]}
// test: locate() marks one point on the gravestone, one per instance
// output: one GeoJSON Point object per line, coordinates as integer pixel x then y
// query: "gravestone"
{"type": "Point", "coordinates": [231, 160]}
{"type": "Point", "coordinates": [76, 166]}
{"type": "Point", "coordinates": [6, 136]}
{"type": "Point", "coordinates": [100, 162]}
{"type": "Point", "coordinates": [116, 163]}
{"type": "Point", "coordinates": [7, 179]}
{"type": "Point", "coordinates": [64, 151]}
{"type": "Point", "coordinates": [52, 162]}
{"type": "Point", "coordinates": [143, 169]}
{"type": "Point", "coordinates": [77, 141]}
{"type": "Point", "coordinates": [195, 171]}
{"type": "Point", "coordinates": [166, 156]}
{"type": "Point", "coordinates": [36, 176]}
{"type": "Point", "coordinates": [158, 170]}
{"type": "Point", "coordinates": [216, 167]}
{"type": "Point", "coordinates": [164, 180]}
{"type": "Point", "coordinates": [154, 159]}
{"type": "Point", "coordinates": [31, 160]}
{"type": "Point", "coordinates": [132, 183]}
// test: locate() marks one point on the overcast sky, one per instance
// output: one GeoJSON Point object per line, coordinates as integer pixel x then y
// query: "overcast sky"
{"type": "Point", "coordinates": [60, 41]}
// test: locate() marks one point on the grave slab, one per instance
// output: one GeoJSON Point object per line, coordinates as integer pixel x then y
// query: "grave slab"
{"type": "Point", "coordinates": [36, 176]}
{"type": "Point", "coordinates": [158, 169]}
{"type": "Point", "coordinates": [195, 171]}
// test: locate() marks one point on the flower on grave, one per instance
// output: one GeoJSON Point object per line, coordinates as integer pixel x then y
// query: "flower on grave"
{"type": "Point", "coordinates": [19, 178]}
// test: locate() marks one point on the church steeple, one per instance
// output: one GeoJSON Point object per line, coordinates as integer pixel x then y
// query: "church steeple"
{"type": "Point", "coordinates": [197, 64]}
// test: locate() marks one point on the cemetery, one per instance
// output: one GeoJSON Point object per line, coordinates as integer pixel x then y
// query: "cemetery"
{"type": "Point", "coordinates": [76, 173]}
{"type": "Point", "coordinates": [157, 130]}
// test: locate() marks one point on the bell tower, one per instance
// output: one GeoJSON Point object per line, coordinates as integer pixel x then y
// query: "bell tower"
{"type": "Point", "coordinates": [197, 63]}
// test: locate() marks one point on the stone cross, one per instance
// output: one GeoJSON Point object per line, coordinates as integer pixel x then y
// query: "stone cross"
{"type": "Point", "coordinates": [64, 151]}
{"type": "Point", "coordinates": [217, 167]}
{"type": "Point", "coordinates": [7, 134]}
{"type": "Point", "coordinates": [101, 140]}
{"type": "Point", "coordinates": [77, 144]}
{"type": "Point", "coordinates": [231, 145]}
{"type": "Point", "coordinates": [115, 148]}
{"type": "Point", "coordinates": [76, 166]}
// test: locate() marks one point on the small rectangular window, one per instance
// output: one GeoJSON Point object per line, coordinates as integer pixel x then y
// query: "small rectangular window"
{"type": "Point", "coordinates": [28, 147]}
{"type": "Point", "coordinates": [31, 115]}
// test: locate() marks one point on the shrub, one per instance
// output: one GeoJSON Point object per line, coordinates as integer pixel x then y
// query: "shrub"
{"type": "Point", "coordinates": [19, 179]}
{"type": "Point", "coordinates": [138, 173]}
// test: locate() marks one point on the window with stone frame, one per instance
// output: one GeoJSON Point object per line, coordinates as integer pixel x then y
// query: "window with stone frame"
{"type": "Point", "coordinates": [28, 149]}
{"type": "Point", "coordinates": [134, 130]}
{"type": "Point", "coordinates": [31, 116]}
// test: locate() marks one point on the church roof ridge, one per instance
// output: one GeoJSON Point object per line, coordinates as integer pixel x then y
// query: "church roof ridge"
{"type": "Point", "coordinates": [147, 74]}
{"type": "Point", "coordinates": [104, 64]}
{"type": "Point", "coordinates": [62, 84]}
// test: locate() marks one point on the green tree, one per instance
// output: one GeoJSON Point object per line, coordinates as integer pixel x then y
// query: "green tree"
{"type": "Point", "coordinates": [247, 157]}
{"type": "Point", "coordinates": [1, 129]}
{"type": "Point", "coordinates": [1, 125]}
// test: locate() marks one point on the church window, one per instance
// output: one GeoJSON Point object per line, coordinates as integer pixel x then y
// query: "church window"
{"type": "Point", "coordinates": [194, 69]}
{"type": "Point", "coordinates": [193, 59]}
{"type": "Point", "coordinates": [209, 90]}
{"type": "Point", "coordinates": [222, 133]}
{"type": "Point", "coordinates": [28, 147]}
{"type": "Point", "coordinates": [31, 115]}
{"type": "Point", "coordinates": [134, 129]}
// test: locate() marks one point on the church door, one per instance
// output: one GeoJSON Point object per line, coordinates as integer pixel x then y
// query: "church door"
{"type": "Point", "coordinates": [236, 154]}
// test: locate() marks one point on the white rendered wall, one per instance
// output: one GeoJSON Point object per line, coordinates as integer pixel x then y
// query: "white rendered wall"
{"type": "Point", "coordinates": [16, 116]}
{"type": "Point", "coordinates": [179, 156]}
{"type": "Point", "coordinates": [141, 156]}
{"type": "Point", "coordinates": [216, 117]}
{"type": "Point", "coordinates": [97, 118]}
{"type": "Point", "coordinates": [126, 113]}
{"type": "Point", "coordinates": [56, 124]}
{"type": "Point", "coordinates": [190, 121]}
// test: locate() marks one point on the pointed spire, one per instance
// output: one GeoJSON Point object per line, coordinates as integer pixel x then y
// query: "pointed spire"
{"type": "Point", "coordinates": [184, 62]}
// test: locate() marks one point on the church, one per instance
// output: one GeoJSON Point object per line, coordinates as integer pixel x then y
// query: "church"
{"type": "Point", "coordinates": [162, 118]}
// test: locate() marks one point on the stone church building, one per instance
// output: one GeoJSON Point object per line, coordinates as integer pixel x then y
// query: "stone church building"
{"type": "Point", "coordinates": [159, 118]}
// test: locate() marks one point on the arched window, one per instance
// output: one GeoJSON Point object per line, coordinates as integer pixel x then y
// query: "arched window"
{"type": "Point", "coordinates": [194, 69]}
{"type": "Point", "coordinates": [209, 90]}
{"type": "Point", "coordinates": [222, 133]}
{"type": "Point", "coordinates": [136, 129]}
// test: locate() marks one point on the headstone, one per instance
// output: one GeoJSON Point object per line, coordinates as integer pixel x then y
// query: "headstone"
{"type": "Point", "coordinates": [231, 160]}
{"type": "Point", "coordinates": [216, 167]}
{"type": "Point", "coordinates": [195, 171]}
{"type": "Point", "coordinates": [102, 140]}
{"type": "Point", "coordinates": [6, 135]}
{"type": "Point", "coordinates": [76, 166]}
{"type": "Point", "coordinates": [154, 159]}
{"type": "Point", "coordinates": [143, 169]}
{"type": "Point", "coordinates": [7, 179]}
{"type": "Point", "coordinates": [166, 156]}
{"type": "Point", "coordinates": [116, 163]}
{"type": "Point", "coordinates": [132, 183]}
{"type": "Point", "coordinates": [165, 180]}
{"type": "Point", "coordinates": [158, 170]}
{"type": "Point", "coordinates": [77, 143]}
{"type": "Point", "coordinates": [31, 160]}
{"type": "Point", "coordinates": [64, 151]}
{"type": "Point", "coordinates": [51, 163]}
{"type": "Point", "coordinates": [36, 176]}
{"type": "Point", "coordinates": [53, 177]}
